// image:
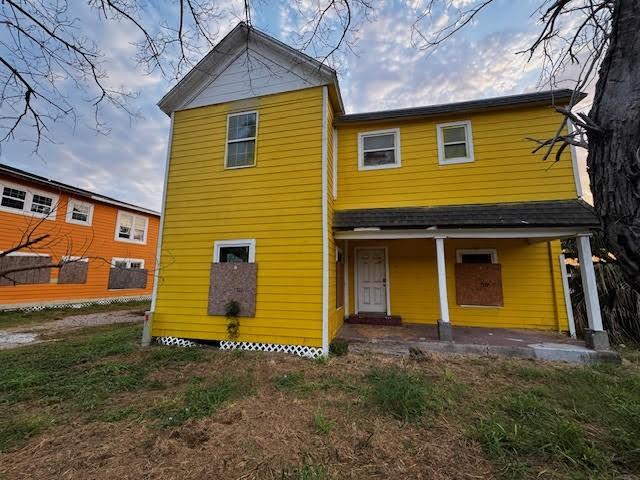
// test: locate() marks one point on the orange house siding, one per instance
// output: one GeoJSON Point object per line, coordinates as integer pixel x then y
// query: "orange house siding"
{"type": "Point", "coordinates": [96, 241]}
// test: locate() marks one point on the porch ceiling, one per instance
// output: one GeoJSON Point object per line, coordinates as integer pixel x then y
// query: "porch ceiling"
{"type": "Point", "coordinates": [547, 214]}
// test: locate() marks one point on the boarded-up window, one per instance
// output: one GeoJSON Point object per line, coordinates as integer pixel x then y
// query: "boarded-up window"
{"type": "Point", "coordinates": [479, 284]}
{"type": "Point", "coordinates": [28, 269]}
{"type": "Point", "coordinates": [74, 272]}
{"type": "Point", "coordinates": [120, 278]}
{"type": "Point", "coordinates": [233, 281]}
{"type": "Point", "coordinates": [339, 279]}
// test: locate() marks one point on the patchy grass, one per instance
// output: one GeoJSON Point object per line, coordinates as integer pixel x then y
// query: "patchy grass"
{"type": "Point", "coordinates": [322, 424]}
{"type": "Point", "coordinates": [97, 398]}
{"type": "Point", "coordinates": [201, 400]}
{"type": "Point", "coordinates": [18, 318]}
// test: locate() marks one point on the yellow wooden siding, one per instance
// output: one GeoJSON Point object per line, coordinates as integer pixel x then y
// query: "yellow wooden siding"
{"type": "Point", "coordinates": [277, 203]}
{"type": "Point", "coordinates": [504, 169]}
{"type": "Point", "coordinates": [532, 286]}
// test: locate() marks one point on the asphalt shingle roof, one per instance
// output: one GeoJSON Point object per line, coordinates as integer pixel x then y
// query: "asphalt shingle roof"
{"type": "Point", "coordinates": [557, 213]}
{"type": "Point", "coordinates": [549, 97]}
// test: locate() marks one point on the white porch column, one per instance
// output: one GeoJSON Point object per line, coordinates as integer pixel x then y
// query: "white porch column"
{"type": "Point", "coordinates": [596, 337]}
{"type": "Point", "coordinates": [444, 326]}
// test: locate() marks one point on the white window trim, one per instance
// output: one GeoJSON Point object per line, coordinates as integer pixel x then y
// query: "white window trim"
{"type": "Point", "coordinates": [28, 201]}
{"type": "Point", "coordinates": [73, 258]}
{"type": "Point", "coordinates": [255, 139]}
{"type": "Point", "coordinates": [251, 243]}
{"type": "Point", "coordinates": [128, 261]}
{"type": "Point", "coordinates": [131, 240]}
{"type": "Point", "coordinates": [468, 137]}
{"type": "Point", "coordinates": [27, 254]}
{"type": "Point", "coordinates": [69, 219]}
{"type": "Point", "coordinates": [480, 251]}
{"type": "Point", "coordinates": [396, 143]}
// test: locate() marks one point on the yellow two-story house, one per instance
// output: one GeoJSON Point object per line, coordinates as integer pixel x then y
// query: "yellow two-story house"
{"type": "Point", "coordinates": [299, 216]}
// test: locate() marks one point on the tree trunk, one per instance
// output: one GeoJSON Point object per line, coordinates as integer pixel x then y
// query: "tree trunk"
{"type": "Point", "coordinates": [614, 154]}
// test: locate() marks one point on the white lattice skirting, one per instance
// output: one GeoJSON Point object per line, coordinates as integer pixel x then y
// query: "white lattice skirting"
{"type": "Point", "coordinates": [77, 304]}
{"type": "Point", "coordinates": [299, 350]}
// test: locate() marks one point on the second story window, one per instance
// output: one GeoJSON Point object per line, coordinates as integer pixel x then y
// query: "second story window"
{"type": "Point", "coordinates": [80, 213]}
{"type": "Point", "coordinates": [131, 228]}
{"type": "Point", "coordinates": [242, 131]}
{"type": "Point", "coordinates": [13, 198]}
{"type": "Point", "coordinates": [41, 204]}
{"type": "Point", "coordinates": [380, 149]}
{"type": "Point", "coordinates": [24, 201]}
{"type": "Point", "coordinates": [455, 144]}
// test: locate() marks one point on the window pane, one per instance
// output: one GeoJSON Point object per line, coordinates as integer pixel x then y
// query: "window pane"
{"type": "Point", "coordinates": [454, 134]}
{"type": "Point", "coordinates": [136, 265]}
{"type": "Point", "coordinates": [242, 126]}
{"type": "Point", "coordinates": [379, 141]}
{"type": "Point", "coordinates": [124, 230]}
{"type": "Point", "coordinates": [138, 228]}
{"type": "Point", "coordinates": [120, 264]}
{"type": "Point", "coordinates": [455, 151]}
{"type": "Point", "coordinates": [41, 204]}
{"type": "Point", "coordinates": [138, 234]}
{"type": "Point", "coordinates": [240, 154]}
{"type": "Point", "coordinates": [476, 258]}
{"type": "Point", "coordinates": [384, 157]}
{"type": "Point", "coordinates": [234, 254]}
{"type": "Point", "coordinates": [80, 212]}
{"type": "Point", "coordinates": [13, 198]}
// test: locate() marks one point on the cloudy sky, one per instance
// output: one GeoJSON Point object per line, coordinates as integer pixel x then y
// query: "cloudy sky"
{"type": "Point", "coordinates": [384, 69]}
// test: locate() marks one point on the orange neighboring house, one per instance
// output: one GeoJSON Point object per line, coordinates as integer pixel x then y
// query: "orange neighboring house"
{"type": "Point", "coordinates": [107, 247]}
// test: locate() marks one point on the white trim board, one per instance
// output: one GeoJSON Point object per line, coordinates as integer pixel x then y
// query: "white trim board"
{"type": "Point", "coordinates": [325, 221]}
{"type": "Point", "coordinates": [156, 270]}
{"type": "Point", "coordinates": [550, 233]}
{"type": "Point", "coordinates": [355, 276]}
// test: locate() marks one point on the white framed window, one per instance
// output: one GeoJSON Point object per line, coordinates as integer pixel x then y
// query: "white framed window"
{"type": "Point", "coordinates": [477, 255]}
{"type": "Point", "coordinates": [234, 251]}
{"type": "Point", "coordinates": [455, 143]}
{"type": "Point", "coordinates": [379, 149]}
{"type": "Point", "coordinates": [134, 263]}
{"type": "Point", "coordinates": [242, 133]}
{"type": "Point", "coordinates": [131, 228]}
{"type": "Point", "coordinates": [24, 201]}
{"type": "Point", "coordinates": [80, 213]}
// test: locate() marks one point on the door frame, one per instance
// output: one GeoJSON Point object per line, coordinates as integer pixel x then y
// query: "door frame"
{"type": "Point", "coordinates": [356, 286]}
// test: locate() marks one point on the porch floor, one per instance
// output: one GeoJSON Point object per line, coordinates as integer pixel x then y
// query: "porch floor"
{"type": "Point", "coordinates": [400, 340]}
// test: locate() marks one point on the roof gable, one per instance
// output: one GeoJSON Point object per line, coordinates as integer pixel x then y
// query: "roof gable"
{"type": "Point", "coordinates": [247, 63]}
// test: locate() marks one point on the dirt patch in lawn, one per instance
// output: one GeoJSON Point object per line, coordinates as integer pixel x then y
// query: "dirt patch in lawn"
{"type": "Point", "coordinates": [36, 333]}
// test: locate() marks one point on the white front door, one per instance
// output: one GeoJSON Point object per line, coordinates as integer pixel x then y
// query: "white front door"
{"type": "Point", "coordinates": [372, 280]}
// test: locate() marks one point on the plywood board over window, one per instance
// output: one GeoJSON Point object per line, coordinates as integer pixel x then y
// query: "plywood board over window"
{"type": "Point", "coordinates": [73, 271]}
{"type": "Point", "coordinates": [479, 284]}
{"type": "Point", "coordinates": [27, 269]}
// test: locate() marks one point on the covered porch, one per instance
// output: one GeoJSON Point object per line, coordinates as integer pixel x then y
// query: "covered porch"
{"type": "Point", "coordinates": [446, 273]}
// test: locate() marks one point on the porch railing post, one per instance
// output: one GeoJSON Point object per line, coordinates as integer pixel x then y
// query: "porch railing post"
{"type": "Point", "coordinates": [595, 336]}
{"type": "Point", "coordinates": [444, 326]}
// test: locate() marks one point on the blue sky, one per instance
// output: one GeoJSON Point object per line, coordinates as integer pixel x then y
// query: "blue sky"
{"type": "Point", "coordinates": [385, 70]}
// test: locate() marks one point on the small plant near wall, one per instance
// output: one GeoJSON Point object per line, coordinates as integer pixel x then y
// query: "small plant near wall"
{"type": "Point", "coordinates": [231, 311]}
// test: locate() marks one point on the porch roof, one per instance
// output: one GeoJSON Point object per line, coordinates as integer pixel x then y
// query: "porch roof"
{"type": "Point", "coordinates": [556, 213]}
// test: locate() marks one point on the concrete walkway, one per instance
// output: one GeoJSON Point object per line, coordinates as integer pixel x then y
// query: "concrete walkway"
{"type": "Point", "coordinates": [37, 333]}
{"type": "Point", "coordinates": [534, 344]}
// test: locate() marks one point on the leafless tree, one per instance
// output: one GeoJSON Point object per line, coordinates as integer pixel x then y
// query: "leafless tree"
{"type": "Point", "coordinates": [51, 62]}
{"type": "Point", "coordinates": [595, 40]}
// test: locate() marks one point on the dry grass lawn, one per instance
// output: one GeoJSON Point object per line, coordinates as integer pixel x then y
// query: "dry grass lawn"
{"type": "Point", "coordinates": [95, 405]}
